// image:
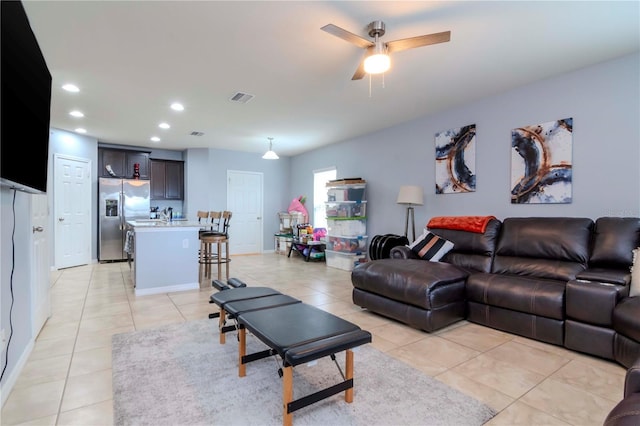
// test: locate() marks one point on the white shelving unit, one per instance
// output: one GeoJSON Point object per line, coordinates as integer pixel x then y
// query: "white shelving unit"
{"type": "Point", "coordinates": [347, 240]}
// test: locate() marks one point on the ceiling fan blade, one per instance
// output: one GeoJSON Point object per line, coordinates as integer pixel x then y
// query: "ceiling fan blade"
{"type": "Point", "coordinates": [347, 36]}
{"type": "Point", "coordinates": [425, 40]}
{"type": "Point", "coordinates": [360, 71]}
{"type": "Point", "coordinates": [359, 74]}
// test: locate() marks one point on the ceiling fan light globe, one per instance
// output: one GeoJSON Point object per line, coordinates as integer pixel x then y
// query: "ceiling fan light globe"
{"type": "Point", "coordinates": [377, 64]}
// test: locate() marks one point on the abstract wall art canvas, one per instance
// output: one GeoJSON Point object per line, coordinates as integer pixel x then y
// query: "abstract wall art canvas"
{"type": "Point", "coordinates": [456, 160]}
{"type": "Point", "coordinates": [541, 167]}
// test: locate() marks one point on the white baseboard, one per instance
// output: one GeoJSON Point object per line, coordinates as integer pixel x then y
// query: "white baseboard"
{"type": "Point", "coordinates": [9, 383]}
{"type": "Point", "coordinates": [167, 289]}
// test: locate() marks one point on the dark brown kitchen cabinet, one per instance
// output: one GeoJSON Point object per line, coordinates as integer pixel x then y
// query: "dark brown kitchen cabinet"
{"type": "Point", "coordinates": [141, 158]}
{"type": "Point", "coordinates": [121, 162]}
{"type": "Point", "coordinates": [167, 180]}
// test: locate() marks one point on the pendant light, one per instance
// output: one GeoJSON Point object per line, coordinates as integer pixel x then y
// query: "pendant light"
{"type": "Point", "coordinates": [270, 155]}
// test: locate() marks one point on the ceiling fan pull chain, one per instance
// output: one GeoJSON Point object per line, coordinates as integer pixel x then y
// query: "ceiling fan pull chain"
{"type": "Point", "coordinates": [369, 85]}
{"type": "Point", "coordinates": [383, 79]}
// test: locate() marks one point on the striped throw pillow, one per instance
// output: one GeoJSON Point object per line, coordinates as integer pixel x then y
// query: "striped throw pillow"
{"type": "Point", "coordinates": [430, 247]}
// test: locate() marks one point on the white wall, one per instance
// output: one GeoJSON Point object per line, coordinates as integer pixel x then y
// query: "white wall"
{"type": "Point", "coordinates": [15, 274]}
{"type": "Point", "coordinates": [603, 100]}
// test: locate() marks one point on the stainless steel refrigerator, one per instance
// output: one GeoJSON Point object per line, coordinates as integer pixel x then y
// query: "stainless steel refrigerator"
{"type": "Point", "coordinates": [120, 200]}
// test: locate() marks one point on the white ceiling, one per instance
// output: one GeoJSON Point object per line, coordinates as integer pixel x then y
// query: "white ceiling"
{"type": "Point", "coordinates": [131, 59]}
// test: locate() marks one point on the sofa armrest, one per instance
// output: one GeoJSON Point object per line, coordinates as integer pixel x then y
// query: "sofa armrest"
{"type": "Point", "coordinates": [592, 302]}
{"type": "Point", "coordinates": [402, 252]}
{"type": "Point", "coordinates": [632, 379]}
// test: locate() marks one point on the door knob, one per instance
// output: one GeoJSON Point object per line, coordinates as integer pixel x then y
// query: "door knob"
{"type": "Point", "coordinates": [38, 229]}
{"type": "Point", "coordinates": [61, 219]}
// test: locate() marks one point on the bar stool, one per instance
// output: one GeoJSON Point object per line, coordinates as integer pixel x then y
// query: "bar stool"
{"type": "Point", "coordinates": [211, 244]}
{"type": "Point", "coordinates": [214, 251]}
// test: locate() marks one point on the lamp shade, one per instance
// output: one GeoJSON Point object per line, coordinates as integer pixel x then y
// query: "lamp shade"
{"type": "Point", "coordinates": [411, 194]}
{"type": "Point", "coordinates": [270, 155]}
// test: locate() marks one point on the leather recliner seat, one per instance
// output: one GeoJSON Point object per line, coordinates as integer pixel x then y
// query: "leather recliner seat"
{"type": "Point", "coordinates": [593, 295]}
{"type": "Point", "coordinates": [626, 323]}
{"type": "Point", "coordinates": [524, 292]}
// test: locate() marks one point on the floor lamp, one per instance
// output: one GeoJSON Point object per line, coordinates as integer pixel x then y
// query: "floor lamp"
{"type": "Point", "coordinates": [410, 195]}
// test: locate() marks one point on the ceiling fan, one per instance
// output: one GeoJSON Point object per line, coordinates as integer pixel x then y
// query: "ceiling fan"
{"type": "Point", "coordinates": [376, 57]}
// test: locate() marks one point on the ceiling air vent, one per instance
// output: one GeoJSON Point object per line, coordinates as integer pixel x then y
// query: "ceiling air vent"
{"type": "Point", "coordinates": [194, 133]}
{"type": "Point", "coordinates": [243, 98]}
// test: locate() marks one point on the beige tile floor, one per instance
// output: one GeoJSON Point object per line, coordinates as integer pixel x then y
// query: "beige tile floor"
{"type": "Point", "coordinates": [67, 379]}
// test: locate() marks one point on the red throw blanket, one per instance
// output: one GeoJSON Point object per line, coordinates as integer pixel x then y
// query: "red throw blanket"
{"type": "Point", "coordinates": [461, 223]}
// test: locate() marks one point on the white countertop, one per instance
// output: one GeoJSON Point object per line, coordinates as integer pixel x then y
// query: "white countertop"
{"type": "Point", "coordinates": [161, 224]}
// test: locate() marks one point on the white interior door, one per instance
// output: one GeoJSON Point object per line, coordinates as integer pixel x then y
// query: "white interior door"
{"type": "Point", "coordinates": [244, 200]}
{"type": "Point", "coordinates": [40, 299]}
{"type": "Point", "coordinates": [72, 211]}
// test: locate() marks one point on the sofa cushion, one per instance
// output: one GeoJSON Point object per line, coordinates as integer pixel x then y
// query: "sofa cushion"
{"type": "Point", "coordinates": [471, 250]}
{"type": "Point", "coordinates": [411, 281]}
{"type": "Point", "coordinates": [530, 295]}
{"type": "Point", "coordinates": [554, 248]}
{"type": "Point", "coordinates": [613, 240]}
{"type": "Point", "coordinates": [430, 247]}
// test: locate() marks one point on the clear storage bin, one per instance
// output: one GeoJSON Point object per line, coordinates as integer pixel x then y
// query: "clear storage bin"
{"type": "Point", "coordinates": [347, 226]}
{"type": "Point", "coordinates": [347, 244]}
{"type": "Point", "coordinates": [345, 261]}
{"type": "Point", "coordinates": [346, 193]}
{"type": "Point", "coordinates": [355, 209]}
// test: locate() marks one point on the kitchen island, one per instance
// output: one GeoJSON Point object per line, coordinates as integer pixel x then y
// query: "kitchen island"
{"type": "Point", "coordinates": [165, 256]}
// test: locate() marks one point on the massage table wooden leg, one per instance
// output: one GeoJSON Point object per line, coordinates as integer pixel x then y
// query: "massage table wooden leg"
{"type": "Point", "coordinates": [221, 321]}
{"type": "Point", "coordinates": [348, 394]}
{"type": "Point", "coordinates": [242, 369]}
{"type": "Point", "coordinates": [287, 395]}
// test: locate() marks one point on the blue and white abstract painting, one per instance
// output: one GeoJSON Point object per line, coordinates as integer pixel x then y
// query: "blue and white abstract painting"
{"type": "Point", "coordinates": [456, 160]}
{"type": "Point", "coordinates": [541, 166]}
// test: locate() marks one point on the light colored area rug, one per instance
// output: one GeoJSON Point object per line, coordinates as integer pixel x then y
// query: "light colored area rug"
{"type": "Point", "coordinates": [181, 375]}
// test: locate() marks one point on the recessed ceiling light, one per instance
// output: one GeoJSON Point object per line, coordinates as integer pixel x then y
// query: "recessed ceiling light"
{"type": "Point", "coordinates": [81, 130]}
{"type": "Point", "coordinates": [164, 125]}
{"type": "Point", "coordinates": [177, 106]}
{"type": "Point", "coordinates": [71, 88]}
{"type": "Point", "coordinates": [155, 139]}
{"type": "Point", "coordinates": [76, 113]}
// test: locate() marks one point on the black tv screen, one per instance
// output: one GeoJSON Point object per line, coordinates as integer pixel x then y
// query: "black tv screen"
{"type": "Point", "coordinates": [25, 104]}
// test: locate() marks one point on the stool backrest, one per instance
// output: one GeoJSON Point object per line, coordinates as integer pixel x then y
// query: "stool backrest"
{"type": "Point", "coordinates": [203, 217]}
{"type": "Point", "coordinates": [216, 218]}
{"type": "Point", "coordinates": [226, 218]}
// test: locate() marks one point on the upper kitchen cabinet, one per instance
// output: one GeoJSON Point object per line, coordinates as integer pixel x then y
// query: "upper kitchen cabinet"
{"type": "Point", "coordinates": [120, 163]}
{"type": "Point", "coordinates": [167, 180]}
{"type": "Point", "coordinates": [141, 158]}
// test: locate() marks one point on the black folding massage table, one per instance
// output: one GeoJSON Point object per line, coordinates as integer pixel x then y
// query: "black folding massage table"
{"type": "Point", "coordinates": [295, 331]}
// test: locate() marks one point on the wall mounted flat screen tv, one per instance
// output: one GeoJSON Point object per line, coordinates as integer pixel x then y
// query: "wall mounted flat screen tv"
{"type": "Point", "coordinates": [25, 104]}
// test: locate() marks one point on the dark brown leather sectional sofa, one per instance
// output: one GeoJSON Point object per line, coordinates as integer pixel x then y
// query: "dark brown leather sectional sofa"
{"type": "Point", "coordinates": [560, 280]}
